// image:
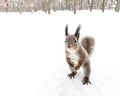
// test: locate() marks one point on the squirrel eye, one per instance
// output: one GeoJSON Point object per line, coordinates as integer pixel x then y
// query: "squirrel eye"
{"type": "Point", "coordinates": [75, 41]}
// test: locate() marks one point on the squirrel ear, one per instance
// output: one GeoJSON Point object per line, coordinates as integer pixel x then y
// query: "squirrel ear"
{"type": "Point", "coordinates": [77, 33]}
{"type": "Point", "coordinates": [66, 30]}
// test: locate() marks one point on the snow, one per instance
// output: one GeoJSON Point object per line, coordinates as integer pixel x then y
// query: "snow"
{"type": "Point", "coordinates": [32, 55]}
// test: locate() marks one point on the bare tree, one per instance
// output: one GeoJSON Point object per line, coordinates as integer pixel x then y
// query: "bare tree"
{"type": "Point", "coordinates": [75, 6]}
{"type": "Point", "coordinates": [47, 5]}
{"type": "Point", "coordinates": [6, 5]}
{"type": "Point", "coordinates": [117, 6]}
{"type": "Point", "coordinates": [103, 5]}
{"type": "Point", "coordinates": [91, 2]}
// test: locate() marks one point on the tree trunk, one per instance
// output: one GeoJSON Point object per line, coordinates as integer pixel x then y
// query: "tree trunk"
{"type": "Point", "coordinates": [117, 6]}
{"type": "Point", "coordinates": [74, 6]}
{"type": "Point", "coordinates": [91, 2]}
{"type": "Point", "coordinates": [103, 5]}
{"type": "Point", "coordinates": [48, 3]}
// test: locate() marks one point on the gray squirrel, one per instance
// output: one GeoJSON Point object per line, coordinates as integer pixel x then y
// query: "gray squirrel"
{"type": "Point", "coordinates": [77, 54]}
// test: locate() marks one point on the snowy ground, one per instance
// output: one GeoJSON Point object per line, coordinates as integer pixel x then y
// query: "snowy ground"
{"type": "Point", "coordinates": [32, 57]}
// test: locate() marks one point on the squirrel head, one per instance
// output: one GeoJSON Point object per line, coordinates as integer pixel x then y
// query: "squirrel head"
{"type": "Point", "coordinates": [72, 41]}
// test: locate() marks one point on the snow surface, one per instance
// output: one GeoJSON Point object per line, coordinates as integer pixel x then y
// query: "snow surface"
{"type": "Point", "coordinates": [32, 55]}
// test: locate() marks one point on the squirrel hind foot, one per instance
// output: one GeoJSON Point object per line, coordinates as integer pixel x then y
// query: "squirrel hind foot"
{"type": "Point", "coordinates": [86, 81]}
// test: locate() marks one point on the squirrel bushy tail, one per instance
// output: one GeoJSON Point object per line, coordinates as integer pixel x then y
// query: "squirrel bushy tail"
{"type": "Point", "coordinates": [88, 43]}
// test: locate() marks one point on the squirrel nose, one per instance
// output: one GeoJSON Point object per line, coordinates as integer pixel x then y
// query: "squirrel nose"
{"type": "Point", "coordinates": [68, 46]}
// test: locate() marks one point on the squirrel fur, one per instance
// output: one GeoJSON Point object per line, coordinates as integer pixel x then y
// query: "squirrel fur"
{"type": "Point", "coordinates": [78, 53]}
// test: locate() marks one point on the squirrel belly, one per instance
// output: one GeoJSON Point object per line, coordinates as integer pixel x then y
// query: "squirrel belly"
{"type": "Point", "coordinates": [75, 55]}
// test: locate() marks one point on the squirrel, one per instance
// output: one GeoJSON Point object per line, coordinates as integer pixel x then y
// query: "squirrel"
{"type": "Point", "coordinates": [77, 54]}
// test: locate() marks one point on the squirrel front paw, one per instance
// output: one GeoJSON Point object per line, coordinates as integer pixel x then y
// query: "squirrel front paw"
{"type": "Point", "coordinates": [86, 81]}
{"type": "Point", "coordinates": [72, 75]}
{"type": "Point", "coordinates": [76, 68]}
